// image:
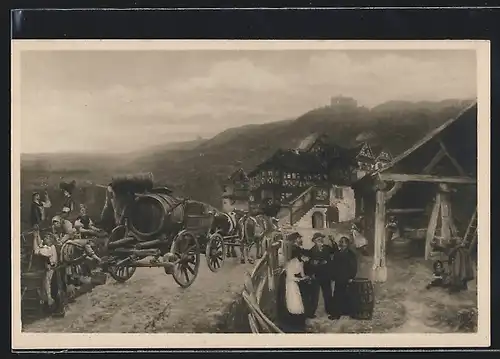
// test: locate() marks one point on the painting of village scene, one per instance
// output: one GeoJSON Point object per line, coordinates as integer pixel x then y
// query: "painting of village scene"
{"type": "Point", "coordinates": [313, 191]}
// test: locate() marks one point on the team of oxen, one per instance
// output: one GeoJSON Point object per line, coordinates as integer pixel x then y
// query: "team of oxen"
{"type": "Point", "coordinates": [247, 230]}
{"type": "Point", "coordinates": [239, 228]}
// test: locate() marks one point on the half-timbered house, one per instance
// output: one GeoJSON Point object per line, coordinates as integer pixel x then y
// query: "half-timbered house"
{"type": "Point", "coordinates": [236, 192]}
{"type": "Point", "coordinates": [312, 182]}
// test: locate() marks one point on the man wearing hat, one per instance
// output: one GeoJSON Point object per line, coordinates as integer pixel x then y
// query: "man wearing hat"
{"type": "Point", "coordinates": [38, 207]}
{"type": "Point", "coordinates": [320, 265]}
{"type": "Point", "coordinates": [68, 202]}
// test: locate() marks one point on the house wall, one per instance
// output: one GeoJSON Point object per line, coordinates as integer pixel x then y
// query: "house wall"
{"type": "Point", "coordinates": [346, 203]}
{"type": "Point", "coordinates": [306, 221]}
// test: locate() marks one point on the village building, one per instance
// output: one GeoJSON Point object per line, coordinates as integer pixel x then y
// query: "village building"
{"type": "Point", "coordinates": [365, 159]}
{"type": "Point", "coordinates": [383, 159]}
{"type": "Point", "coordinates": [312, 182]}
{"type": "Point", "coordinates": [236, 192]}
{"type": "Point", "coordinates": [430, 189]}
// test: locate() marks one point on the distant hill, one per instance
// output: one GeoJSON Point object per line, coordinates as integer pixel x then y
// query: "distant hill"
{"type": "Point", "coordinates": [199, 171]}
{"type": "Point", "coordinates": [197, 168]}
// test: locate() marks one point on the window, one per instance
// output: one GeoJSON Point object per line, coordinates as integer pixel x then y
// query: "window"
{"type": "Point", "coordinates": [294, 175]}
{"type": "Point", "coordinates": [339, 193]}
{"type": "Point", "coordinates": [270, 173]}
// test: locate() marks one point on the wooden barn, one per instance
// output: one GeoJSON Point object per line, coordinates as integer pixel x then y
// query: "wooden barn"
{"type": "Point", "coordinates": [429, 189]}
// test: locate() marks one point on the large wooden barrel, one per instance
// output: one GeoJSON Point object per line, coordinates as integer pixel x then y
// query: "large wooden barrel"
{"type": "Point", "coordinates": [361, 299]}
{"type": "Point", "coordinates": [153, 213]}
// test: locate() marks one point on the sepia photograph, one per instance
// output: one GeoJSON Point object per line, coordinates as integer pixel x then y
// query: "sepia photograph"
{"type": "Point", "coordinates": [194, 188]}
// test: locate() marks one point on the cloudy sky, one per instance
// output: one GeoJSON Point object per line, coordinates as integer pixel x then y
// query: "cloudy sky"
{"type": "Point", "coordinates": [117, 101]}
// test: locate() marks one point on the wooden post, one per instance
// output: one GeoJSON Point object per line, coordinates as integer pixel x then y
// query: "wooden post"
{"type": "Point", "coordinates": [445, 213]}
{"type": "Point", "coordinates": [431, 229]}
{"type": "Point", "coordinates": [379, 269]}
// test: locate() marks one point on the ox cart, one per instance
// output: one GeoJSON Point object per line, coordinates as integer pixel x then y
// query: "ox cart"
{"type": "Point", "coordinates": [158, 229]}
{"type": "Point", "coordinates": [179, 256]}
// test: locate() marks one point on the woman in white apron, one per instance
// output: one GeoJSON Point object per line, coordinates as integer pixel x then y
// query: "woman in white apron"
{"type": "Point", "coordinates": [294, 273]}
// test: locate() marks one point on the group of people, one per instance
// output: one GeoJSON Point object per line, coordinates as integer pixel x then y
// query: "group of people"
{"type": "Point", "coordinates": [64, 241]}
{"type": "Point", "coordinates": [327, 267]}
{"type": "Point", "coordinates": [455, 272]}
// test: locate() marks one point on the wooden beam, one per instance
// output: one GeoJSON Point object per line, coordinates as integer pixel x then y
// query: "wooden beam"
{"type": "Point", "coordinates": [445, 218]}
{"type": "Point", "coordinates": [400, 177]}
{"type": "Point", "coordinates": [405, 210]}
{"type": "Point", "coordinates": [435, 160]}
{"type": "Point", "coordinates": [452, 159]}
{"type": "Point", "coordinates": [379, 269]}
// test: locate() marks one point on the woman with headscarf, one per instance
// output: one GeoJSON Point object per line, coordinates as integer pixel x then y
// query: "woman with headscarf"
{"type": "Point", "coordinates": [293, 317]}
{"type": "Point", "coordinates": [290, 300]}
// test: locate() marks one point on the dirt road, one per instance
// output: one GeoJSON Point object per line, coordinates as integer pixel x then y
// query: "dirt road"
{"type": "Point", "coordinates": [152, 302]}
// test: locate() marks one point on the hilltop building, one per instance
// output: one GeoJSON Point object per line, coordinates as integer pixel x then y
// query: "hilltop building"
{"type": "Point", "coordinates": [345, 102]}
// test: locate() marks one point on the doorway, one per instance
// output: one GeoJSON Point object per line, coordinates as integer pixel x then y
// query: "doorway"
{"type": "Point", "coordinates": [332, 216]}
{"type": "Point", "coordinates": [318, 221]}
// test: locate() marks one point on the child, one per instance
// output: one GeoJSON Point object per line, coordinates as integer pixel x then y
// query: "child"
{"type": "Point", "coordinates": [439, 277]}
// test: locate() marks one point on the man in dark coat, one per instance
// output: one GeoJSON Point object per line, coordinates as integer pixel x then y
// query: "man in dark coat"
{"type": "Point", "coordinates": [345, 268]}
{"type": "Point", "coordinates": [319, 267]}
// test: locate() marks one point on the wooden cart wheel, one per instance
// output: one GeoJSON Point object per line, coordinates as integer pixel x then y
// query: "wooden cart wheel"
{"type": "Point", "coordinates": [215, 253]}
{"type": "Point", "coordinates": [187, 249]}
{"type": "Point", "coordinates": [122, 273]}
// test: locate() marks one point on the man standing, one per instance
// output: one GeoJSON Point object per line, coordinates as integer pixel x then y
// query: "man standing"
{"type": "Point", "coordinates": [68, 202]}
{"type": "Point", "coordinates": [37, 214]}
{"type": "Point", "coordinates": [320, 266]}
{"type": "Point", "coordinates": [53, 286]}
{"type": "Point", "coordinates": [345, 267]}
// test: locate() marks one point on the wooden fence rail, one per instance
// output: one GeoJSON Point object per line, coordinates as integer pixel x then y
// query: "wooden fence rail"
{"type": "Point", "coordinates": [263, 276]}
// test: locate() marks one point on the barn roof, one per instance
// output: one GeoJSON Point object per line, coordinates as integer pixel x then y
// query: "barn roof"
{"type": "Point", "coordinates": [459, 134]}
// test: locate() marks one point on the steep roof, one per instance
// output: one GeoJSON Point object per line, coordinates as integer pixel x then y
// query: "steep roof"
{"type": "Point", "coordinates": [238, 174]}
{"type": "Point", "coordinates": [293, 161]}
{"type": "Point", "coordinates": [461, 125]}
{"type": "Point", "coordinates": [384, 155]}
{"type": "Point", "coordinates": [307, 143]}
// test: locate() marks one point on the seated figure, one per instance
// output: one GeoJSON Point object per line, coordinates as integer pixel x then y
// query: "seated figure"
{"type": "Point", "coordinates": [84, 225]}
{"type": "Point", "coordinates": [439, 277]}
